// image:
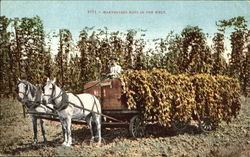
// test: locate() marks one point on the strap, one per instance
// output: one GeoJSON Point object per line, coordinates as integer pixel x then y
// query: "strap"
{"type": "Point", "coordinates": [79, 100]}
{"type": "Point", "coordinates": [24, 111]}
{"type": "Point", "coordinates": [94, 112]}
{"type": "Point", "coordinates": [48, 107]}
{"type": "Point", "coordinates": [95, 104]}
{"type": "Point", "coordinates": [64, 102]}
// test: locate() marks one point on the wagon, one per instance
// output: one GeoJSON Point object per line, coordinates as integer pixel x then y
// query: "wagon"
{"type": "Point", "coordinates": [114, 109]}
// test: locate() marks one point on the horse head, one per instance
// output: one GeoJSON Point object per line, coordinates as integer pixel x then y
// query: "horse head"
{"type": "Point", "coordinates": [49, 91]}
{"type": "Point", "coordinates": [54, 95]}
{"type": "Point", "coordinates": [22, 89]}
{"type": "Point", "coordinates": [27, 92]}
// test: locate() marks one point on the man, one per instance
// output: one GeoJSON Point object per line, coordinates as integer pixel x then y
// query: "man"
{"type": "Point", "coordinates": [115, 69]}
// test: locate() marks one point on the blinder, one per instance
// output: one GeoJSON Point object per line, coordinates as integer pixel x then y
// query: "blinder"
{"type": "Point", "coordinates": [25, 88]}
{"type": "Point", "coordinates": [51, 99]}
{"type": "Point", "coordinates": [16, 90]}
{"type": "Point", "coordinates": [25, 93]}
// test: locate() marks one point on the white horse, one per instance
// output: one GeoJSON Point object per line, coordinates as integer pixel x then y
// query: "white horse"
{"type": "Point", "coordinates": [68, 106]}
{"type": "Point", "coordinates": [30, 96]}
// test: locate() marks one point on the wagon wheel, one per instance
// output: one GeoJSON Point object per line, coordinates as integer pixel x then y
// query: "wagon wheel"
{"type": "Point", "coordinates": [179, 125]}
{"type": "Point", "coordinates": [206, 124]}
{"type": "Point", "coordinates": [137, 127]}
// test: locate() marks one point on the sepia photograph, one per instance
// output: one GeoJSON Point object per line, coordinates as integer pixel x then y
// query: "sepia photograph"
{"type": "Point", "coordinates": [126, 78]}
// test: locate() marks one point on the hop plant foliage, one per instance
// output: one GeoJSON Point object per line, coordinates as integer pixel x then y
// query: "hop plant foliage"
{"type": "Point", "coordinates": [168, 97]}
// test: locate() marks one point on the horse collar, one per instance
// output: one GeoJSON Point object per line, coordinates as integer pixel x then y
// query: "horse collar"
{"type": "Point", "coordinates": [64, 102]}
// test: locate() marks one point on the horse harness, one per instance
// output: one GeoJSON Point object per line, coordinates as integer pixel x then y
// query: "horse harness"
{"type": "Point", "coordinates": [25, 101]}
{"type": "Point", "coordinates": [63, 104]}
{"type": "Point", "coordinates": [80, 102]}
{"type": "Point", "coordinates": [95, 104]}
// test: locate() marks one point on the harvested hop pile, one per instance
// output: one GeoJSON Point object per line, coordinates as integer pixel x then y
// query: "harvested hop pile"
{"type": "Point", "coordinates": [216, 97]}
{"type": "Point", "coordinates": [165, 97]}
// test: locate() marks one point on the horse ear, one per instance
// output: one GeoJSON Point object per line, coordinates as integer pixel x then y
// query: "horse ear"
{"type": "Point", "coordinates": [47, 79]}
{"type": "Point", "coordinates": [54, 81]}
{"type": "Point", "coordinates": [19, 79]}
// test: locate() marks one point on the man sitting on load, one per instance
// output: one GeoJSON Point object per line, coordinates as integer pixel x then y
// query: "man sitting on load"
{"type": "Point", "coordinates": [115, 69]}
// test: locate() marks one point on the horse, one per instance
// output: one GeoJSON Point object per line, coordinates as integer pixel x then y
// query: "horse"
{"type": "Point", "coordinates": [30, 97]}
{"type": "Point", "coordinates": [68, 106]}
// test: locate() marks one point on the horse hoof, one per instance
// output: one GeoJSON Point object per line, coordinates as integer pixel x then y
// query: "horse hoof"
{"type": "Point", "coordinates": [98, 144]}
{"type": "Point", "coordinates": [45, 143]}
{"type": "Point", "coordinates": [91, 143]}
{"type": "Point", "coordinates": [35, 142]}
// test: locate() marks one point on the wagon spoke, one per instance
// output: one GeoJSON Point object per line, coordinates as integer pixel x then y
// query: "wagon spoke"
{"type": "Point", "coordinates": [179, 125]}
{"type": "Point", "coordinates": [137, 127]}
{"type": "Point", "coordinates": [206, 125]}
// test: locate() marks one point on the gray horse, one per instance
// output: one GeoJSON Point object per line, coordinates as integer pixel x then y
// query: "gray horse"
{"type": "Point", "coordinates": [30, 96]}
{"type": "Point", "coordinates": [69, 106]}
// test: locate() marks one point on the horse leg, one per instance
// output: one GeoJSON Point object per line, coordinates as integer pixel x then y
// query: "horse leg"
{"type": "Point", "coordinates": [63, 130]}
{"type": "Point", "coordinates": [96, 119]}
{"type": "Point", "coordinates": [98, 128]}
{"type": "Point", "coordinates": [63, 123]}
{"type": "Point", "coordinates": [68, 130]}
{"type": "Point", "coordinates": [43, 131]}
{"type": "Point", "coordinates": [89, 122]}
{"type": "Point", "coordinates": [34, 121]}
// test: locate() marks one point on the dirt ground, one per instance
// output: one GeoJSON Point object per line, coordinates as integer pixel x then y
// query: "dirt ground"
{"type": "Point", "coordinates": [16, 138]}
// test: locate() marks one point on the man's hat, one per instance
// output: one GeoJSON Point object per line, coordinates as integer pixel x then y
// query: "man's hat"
{"type": "Point", "coordinates": [113, 58]}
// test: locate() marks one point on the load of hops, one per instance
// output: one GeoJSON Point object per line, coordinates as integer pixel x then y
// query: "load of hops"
{"type": "Point", "coordinates": [216, 97]}
{"type": "Point", "coordinates": [165, 97]}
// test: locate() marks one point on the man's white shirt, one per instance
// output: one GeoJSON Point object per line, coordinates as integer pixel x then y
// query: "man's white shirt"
{"type": "Point", "coordinates": [115, 70]}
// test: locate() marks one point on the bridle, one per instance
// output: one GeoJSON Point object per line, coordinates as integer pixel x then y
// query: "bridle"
{"type": "Point", "coordinates": [25, 93]}
{"type": "Point", "coordinates": [52, 96]}
{"type": "Point", "coordinates": [30, 104]}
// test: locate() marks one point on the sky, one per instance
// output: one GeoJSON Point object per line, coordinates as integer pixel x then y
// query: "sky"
{"type": "Point", "coordinates": [175, 15]}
